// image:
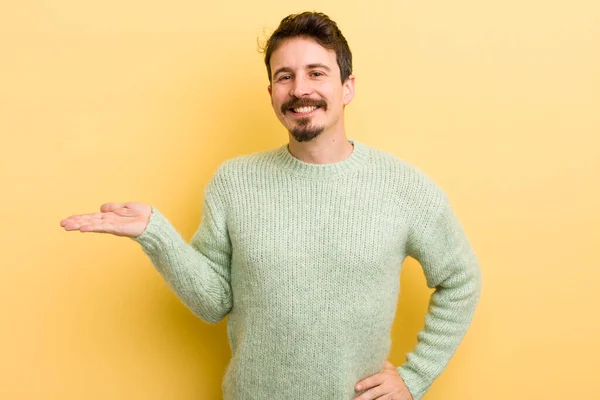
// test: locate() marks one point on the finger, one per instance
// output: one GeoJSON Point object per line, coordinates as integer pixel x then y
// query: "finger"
{"type": "Point", "coordinates": [107, 207]}
{"type": "Point", "coordinates": [101, 227]}
{"type": "Point", "coordinates": [97, 215]}
{"type": "Point", "coordinates": [81, 218]}
{"type": "Point", "coordinates": [73, 226]}
{"type": "Point", "coordinates": [70, 226]}
{"type": "Point", "coordinates": [388, 397]}
{"type": "Point", "coordinates": [373, 393]}
{"type": "Point", "coordinates": [91, 225]}
{"type": "Point", "coordinates": [369, 382]}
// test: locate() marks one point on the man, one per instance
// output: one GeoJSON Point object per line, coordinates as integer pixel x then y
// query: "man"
{"type": "Point", "coordinates": [301, 246]}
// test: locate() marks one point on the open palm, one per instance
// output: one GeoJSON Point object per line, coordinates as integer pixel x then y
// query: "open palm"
{"type": "Point", "coordinates": [121, 219]}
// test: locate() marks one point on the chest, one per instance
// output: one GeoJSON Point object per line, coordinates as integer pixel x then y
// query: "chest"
{"type": "Point", "coordinates": [323, 227]}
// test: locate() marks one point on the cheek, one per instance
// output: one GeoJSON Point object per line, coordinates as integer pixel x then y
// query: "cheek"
{"type": "Point", "coordinates": [330, 95]}
{"type": "Point", "coordinates": [275, 104]}
{"type": "Point", "coordinates": [277, 101]}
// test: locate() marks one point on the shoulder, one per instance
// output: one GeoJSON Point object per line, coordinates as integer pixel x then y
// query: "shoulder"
{"type": "Point", "coordinates": [414, 181]}
{"type": "Point", "coordinates": [416, 191]}
{"type": "Point", "coordinates": [247, 162]}
{"type": "Point", "coordinates": [240, 170]}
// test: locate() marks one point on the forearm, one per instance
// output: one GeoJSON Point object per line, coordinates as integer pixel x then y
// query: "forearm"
{"type": "Point", "coordinates": [197, 277]}
{"type": "Point", "coordinates": [451, 310]}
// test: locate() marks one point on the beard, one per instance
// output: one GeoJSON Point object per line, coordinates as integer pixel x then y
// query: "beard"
{"type": "Point", "coordinates": [304, 132]}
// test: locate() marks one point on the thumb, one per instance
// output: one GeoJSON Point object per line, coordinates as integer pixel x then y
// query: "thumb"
{"type": "Point", "coordinates": [108, 207]}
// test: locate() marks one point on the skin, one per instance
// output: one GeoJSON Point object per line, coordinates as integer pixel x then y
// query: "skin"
{"type": "Point", "coordinates": [384, 385]}
{"type": "Point", "coordinates": [303, 73]}
{"type": "Point", "coordinates": [119, 219]}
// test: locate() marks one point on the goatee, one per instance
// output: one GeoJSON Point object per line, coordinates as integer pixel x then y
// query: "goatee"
{"type": "Point", "coordinates": [306, 133]}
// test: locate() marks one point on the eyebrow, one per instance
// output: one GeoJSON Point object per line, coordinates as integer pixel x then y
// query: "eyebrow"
{"type": "Point", "coordinates": [309, 66]}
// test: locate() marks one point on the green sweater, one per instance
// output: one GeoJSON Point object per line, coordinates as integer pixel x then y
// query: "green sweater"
{"type": "Point", "coordinates": [305, 261]}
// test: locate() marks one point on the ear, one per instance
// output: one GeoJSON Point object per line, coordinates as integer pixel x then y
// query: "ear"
{"type": "Point", "coordinates": [348, 90]}
{"type": "Point", "coordinates": [270, 89]}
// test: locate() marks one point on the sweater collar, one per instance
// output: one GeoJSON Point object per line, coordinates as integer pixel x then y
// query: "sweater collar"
{"type": "Point", "coordinates": [357, 159]}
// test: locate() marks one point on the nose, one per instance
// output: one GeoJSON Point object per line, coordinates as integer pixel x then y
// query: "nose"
{"type": "Point", "coordinates": [300, 87]}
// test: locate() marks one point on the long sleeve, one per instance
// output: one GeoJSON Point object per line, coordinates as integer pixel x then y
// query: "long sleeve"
{"type": "Point", "coordinates": [198, 272]}
{"type": "Point", "coordinates": [451, 267]}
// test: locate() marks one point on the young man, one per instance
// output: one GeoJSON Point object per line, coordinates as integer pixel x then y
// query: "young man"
{"type": "Point", "coordinates": [301, 246]}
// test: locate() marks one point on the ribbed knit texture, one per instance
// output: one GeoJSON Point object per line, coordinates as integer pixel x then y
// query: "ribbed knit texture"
{"type": "Point", "coordinates": [305, 261]}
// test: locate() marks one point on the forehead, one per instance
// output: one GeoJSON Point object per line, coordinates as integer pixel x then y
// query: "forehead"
{"type": "Point", "coordinates": [299, 52]}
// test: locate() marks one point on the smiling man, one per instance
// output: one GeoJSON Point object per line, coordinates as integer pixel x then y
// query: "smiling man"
{"type": "Point", "coordinates": [301, 246]}
{"type": "Point", "coordinates": [306, 92]}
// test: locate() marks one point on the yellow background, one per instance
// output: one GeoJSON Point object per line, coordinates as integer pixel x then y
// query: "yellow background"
{"type": "Point", "coordinates": [113, 101]}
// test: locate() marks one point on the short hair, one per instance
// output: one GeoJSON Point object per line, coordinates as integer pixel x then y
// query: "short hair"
{"type": "Point", "coordinates": [316, 26]}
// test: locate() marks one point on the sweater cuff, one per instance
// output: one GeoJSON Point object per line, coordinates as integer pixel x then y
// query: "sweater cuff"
{"type": "Point", "coordinates": [416, 386]}
{"type": "Point", "coordinates": [160, 235]}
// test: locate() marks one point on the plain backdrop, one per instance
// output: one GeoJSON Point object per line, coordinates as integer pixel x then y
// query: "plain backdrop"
{"type": "Point", "coordinates": [497, 101]}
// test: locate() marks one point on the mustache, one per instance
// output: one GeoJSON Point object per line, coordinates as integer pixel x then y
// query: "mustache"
{"type": "Point", "coordinates": [297, 103]}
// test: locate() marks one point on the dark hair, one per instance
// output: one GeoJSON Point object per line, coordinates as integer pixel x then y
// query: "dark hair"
{"type": "Point", "coordinates": [318, 27]}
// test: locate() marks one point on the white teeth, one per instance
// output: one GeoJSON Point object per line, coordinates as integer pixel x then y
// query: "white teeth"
{"type": "Point", "coordinates": [304, 110]}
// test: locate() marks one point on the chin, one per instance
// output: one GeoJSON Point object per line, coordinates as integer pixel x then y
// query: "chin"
{"type": "Point", "coordinates": [306, 134]}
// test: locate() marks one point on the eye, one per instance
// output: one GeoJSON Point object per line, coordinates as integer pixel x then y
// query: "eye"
{"type": "Point", "coordinates": [317, 73]}
{"type": "Point", "coordinates": [284, 78]}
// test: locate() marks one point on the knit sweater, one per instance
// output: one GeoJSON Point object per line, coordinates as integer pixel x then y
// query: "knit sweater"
{"type": "Point", "coordinates": [305, 259]}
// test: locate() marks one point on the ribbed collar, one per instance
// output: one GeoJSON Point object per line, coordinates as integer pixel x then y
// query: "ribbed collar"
{"type": "Point", "coordinates": [357, 159]}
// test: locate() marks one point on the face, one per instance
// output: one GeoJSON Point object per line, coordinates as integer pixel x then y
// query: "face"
{"type": "Point", "coordinates": [306, 90]}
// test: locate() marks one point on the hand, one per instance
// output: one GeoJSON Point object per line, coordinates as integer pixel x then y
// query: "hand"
{"type": "Point", "coordinates": [386, 385]}
{"type": "Point", "coordinates": [121, 219]}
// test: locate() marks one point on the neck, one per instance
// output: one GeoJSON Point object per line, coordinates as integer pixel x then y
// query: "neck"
{"type": "Point", "coordinates": [322, 149]}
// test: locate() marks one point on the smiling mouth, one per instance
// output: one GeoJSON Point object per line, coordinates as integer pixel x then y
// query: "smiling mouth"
{"type": "Point", "coordinates": [300, 111]}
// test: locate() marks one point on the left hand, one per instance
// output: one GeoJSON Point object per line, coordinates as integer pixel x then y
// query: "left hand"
{"type": "Point", "coordinates": [385, 385]}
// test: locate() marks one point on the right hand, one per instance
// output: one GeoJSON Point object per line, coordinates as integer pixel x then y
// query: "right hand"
{"type": "Point", "coordinates": [121, 219]}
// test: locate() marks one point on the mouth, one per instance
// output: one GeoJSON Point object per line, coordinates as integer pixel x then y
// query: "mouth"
{"type": "Point", "coordinates": [303, 111]}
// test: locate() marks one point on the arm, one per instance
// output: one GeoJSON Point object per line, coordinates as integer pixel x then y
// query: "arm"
{"type": "Point", "coordinates": [198, 272]}
{"type": "Point", "coordinates": [451, 267]}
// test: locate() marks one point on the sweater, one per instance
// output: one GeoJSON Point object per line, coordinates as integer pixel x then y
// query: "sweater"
{"type": "Point", "coordinates": [304, 260]}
